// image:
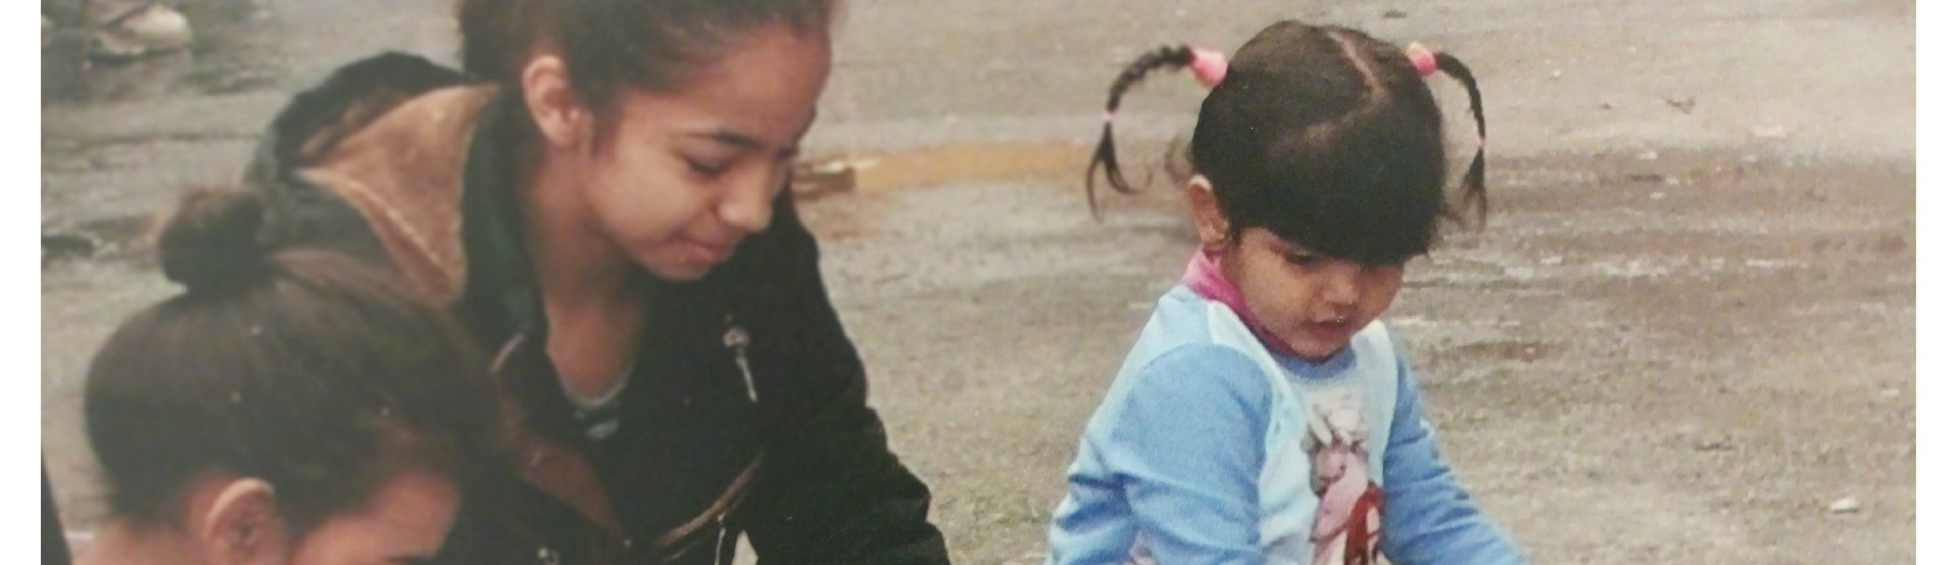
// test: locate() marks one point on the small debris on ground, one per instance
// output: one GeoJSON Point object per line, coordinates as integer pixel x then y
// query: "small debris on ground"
{"type": "Point", "coordinates": [144, 29]}
{"type": "Point", "coordinates": [813, 179]}
{"type": "Point", "coordinates": [58, 246]}
{"type": "Point", "coordinates": [1714, 444]}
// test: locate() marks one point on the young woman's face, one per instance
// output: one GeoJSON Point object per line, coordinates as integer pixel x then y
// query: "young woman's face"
{"type": "Point", "coordinates": [403, 523]}
{"type": "Point", "coordinates": [686, 175]}
{"type": "Point", "coordinates": [1313, 302]}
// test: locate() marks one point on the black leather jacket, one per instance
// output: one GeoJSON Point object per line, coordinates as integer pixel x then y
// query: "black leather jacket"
{"type": "Point", "coordinates": [745, 412]}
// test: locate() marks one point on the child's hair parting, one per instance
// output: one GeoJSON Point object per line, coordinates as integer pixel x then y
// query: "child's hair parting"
{"type": "Point", "coordinates": [1323, 135]}
{"type": "Point", "coordinates": [308, 369]}
{"type": "Point", "coordinates": [609, 44]}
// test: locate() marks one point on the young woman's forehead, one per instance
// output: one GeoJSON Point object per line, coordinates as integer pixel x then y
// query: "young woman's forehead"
{"type": "Point", "coordinates": [762, 93]}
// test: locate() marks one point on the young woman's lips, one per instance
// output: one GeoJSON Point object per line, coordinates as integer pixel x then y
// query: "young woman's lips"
{"type": "Point", "coordinates": [709, 253]}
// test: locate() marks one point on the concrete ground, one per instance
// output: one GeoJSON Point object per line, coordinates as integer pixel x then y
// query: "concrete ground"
{"type": "Point", "coordinates": [1685, 333]}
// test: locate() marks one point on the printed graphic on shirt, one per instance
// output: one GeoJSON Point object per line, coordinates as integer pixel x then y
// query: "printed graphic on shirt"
{"type": "Point", "coordinates": [1347, 528]}
{"type": "Point", "coordinates": [1140, 553]}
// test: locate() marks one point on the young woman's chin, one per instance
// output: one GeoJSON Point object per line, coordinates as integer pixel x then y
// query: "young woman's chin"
{"type": "Point", "coordinates": [679, 267]}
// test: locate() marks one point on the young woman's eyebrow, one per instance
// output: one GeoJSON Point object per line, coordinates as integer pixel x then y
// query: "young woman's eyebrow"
{"type": "Point", "coordinates": [728, 137]}
{"type": "Point", "coordinates": [745, 142]}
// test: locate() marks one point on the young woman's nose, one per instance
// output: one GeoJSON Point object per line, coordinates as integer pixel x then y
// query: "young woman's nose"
{"type": "Point", "coordinates": [747, 207]}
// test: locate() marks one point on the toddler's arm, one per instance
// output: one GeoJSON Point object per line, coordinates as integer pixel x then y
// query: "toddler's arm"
{"type": "Point", "coordinates": [1430, 519]}
{"type": "Point", "coordinates": [1188, 445]}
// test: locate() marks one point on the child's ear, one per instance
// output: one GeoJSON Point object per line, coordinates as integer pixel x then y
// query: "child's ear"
{"type": "Point", "coordinates": [242, 525]}
{"type": "Point", "coordinates": [1213, 230]}
{"type": "Point", "coordinates": [561, 115]}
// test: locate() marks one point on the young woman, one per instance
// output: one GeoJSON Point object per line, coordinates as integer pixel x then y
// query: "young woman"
{"type": "Point", "coordinates": [602, 200]}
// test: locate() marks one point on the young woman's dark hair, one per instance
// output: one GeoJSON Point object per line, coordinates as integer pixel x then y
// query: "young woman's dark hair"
{"type": "Point", "coordinates": [612, 44]}
{"type": "Point", "coordinates": [1325, 136]}
{"type": "Point", "coordinates": [704, 390]}
{"type": "Point", "coordinates": [309, 370]}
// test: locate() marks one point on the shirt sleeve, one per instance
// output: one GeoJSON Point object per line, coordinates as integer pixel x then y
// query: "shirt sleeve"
{"type": "Point", "coordinates": [1430, 519]}
{"type": "Point", "coordinates": [1186, 445]}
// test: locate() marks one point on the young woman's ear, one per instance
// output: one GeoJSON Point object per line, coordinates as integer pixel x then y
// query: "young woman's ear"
{"type": "Point", "coordinates": [560, 114]}
{"type": "Point", "coordinates": [1213, 230]}
{"type": "Point", "coordinates": [241, 525]}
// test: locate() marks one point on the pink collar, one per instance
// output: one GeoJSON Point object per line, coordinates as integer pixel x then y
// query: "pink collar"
{"type": "Point", "coordinates": [1204, 278]}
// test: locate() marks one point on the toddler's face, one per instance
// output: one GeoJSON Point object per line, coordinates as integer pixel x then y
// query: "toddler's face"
{"type": "Point", "coordinates": [1313, 302]}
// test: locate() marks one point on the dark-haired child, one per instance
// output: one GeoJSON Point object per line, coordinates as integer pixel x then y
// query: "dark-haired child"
{"type": "Point", "coordinates": [289, 407]}
{"type": "Point", "coordinates": [1265, 415]}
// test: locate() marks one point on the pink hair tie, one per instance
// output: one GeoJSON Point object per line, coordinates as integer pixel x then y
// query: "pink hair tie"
{"type": "Point", "coordinates": [1422, 58]}
{"type": "Point", "coordinates": [1208, 65]}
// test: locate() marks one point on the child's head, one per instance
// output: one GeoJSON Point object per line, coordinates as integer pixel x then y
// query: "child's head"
{"type": "Point", "coordinates": [288, 406]}
{"type": "Point", "coordinates": [1318, 171]}
{"type": "Point", "coordinates": [678, 120]}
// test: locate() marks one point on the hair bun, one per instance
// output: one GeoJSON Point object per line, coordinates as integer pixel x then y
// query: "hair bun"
{"type": "Point", "coordinates": [212, 239]}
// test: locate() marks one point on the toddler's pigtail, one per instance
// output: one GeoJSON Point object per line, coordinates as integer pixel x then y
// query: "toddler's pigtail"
{"type": "Point", "coordinates": [1474, 194]}
{"type": "Point", "coordinates": [1209, 66]}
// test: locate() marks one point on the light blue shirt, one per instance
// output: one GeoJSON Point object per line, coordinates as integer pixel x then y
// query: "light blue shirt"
{"type": "Point", "coordinates": [1194, 456]}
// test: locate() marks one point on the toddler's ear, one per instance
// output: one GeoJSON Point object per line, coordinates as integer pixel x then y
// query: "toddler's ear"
{"type": "Point", "coordinates": [1213, 230]}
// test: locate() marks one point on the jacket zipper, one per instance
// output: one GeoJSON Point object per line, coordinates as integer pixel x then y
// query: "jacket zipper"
{"type": "Point", "coordinates": [721, 535]}
{"type": "Point", "coordinates": [737, 339]}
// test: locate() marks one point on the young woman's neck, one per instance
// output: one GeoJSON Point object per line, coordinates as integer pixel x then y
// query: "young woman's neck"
{"type": "Point", "coordinates": [124, 542]}
{"type": "Point", "coordinates": [591, 303]}
{"type": "Point", "coordinates": [572, 257]}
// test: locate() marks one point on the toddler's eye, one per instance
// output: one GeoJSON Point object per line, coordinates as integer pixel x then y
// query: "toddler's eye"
{"type": "Point", "coordinates": [706, 169]}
